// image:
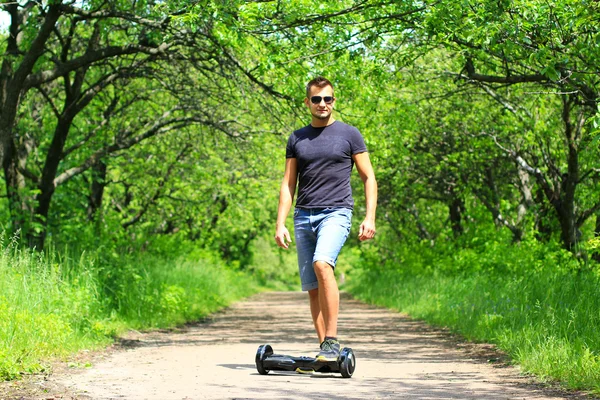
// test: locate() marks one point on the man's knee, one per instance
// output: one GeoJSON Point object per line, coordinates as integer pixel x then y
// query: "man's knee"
{"type": "Point", "coordinates": [323, 267]}
{"type": "Point", "coordinates": [324, 272]}
{"type": "Point", "coordinates": [313, 294]}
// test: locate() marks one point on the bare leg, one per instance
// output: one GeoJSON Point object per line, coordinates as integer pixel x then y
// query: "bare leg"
{"type": "Point", "coordinates": [329, 297]}
{"type": "Point", "coordinates": [315, 311]}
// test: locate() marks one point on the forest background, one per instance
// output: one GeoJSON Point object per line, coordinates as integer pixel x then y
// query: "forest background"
{"type": "Point", "coordinates": [142, 146]}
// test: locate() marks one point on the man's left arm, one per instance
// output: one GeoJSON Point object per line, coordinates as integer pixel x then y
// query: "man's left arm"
{"type": "Point", "coordinates": [365, 170]}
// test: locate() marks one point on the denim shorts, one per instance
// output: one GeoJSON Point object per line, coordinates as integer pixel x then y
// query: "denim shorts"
{"type": "Point", "coordinates": [320, 234]}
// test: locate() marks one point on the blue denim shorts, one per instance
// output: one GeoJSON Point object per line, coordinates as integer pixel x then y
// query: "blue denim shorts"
{"type": "Point", "coordinates": [320, 234]}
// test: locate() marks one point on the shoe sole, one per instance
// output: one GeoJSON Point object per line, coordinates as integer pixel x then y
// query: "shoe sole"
{"type": "Point", "coordinates": [326, 359]}
{"type": "Point", "coordinates": [305, 371]}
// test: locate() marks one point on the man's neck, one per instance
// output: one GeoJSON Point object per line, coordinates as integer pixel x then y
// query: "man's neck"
{"type": "Point", "coordinates": [320, 123]}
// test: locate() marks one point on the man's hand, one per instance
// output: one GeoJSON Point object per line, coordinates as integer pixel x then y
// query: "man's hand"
{"type": "Point", "coordinates": [367, 230]}
{"type": "Point", "coordinates": [282, 237]}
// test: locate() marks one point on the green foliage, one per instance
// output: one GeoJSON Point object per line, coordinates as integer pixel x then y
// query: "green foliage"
{"type": "Point", "coordinates": [532, 300]}
{"type": "Point", "coordinates": [45, 308]}
{"type": "Point", "coordinates": [551, 37]}
{"type": "Point", "coordinates": [481, 120]}
{"type": "Point", "coordinates": [152, 293]}
{"type": "Point", "coordinates": [593, 245]}
{"type": "Point", "coordinates": [273, 267]}
{"type": "Point", "coordinates": [53, 305]}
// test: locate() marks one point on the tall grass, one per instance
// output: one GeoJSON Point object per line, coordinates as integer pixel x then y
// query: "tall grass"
{"type": "Point", "coordinates": [52, 305]}
{"type": "Point", "coordinates": [160, 293]}
{"type": "Point", "coordinates": [535, 302]}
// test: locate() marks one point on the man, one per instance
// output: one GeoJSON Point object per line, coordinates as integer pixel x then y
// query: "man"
{"type": "Point", "coordinates": [320, 157]}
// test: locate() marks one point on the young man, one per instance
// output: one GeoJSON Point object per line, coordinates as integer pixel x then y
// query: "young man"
{"type": "Point", "coordinates": [320, 157]}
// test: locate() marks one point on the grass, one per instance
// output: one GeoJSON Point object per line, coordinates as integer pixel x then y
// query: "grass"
{"type": "Point", "coordinates": [52, 305]}
{"type": "Point", "coordinates": [530, 301]}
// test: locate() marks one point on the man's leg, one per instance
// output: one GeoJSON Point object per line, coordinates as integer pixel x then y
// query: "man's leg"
{"type": "Point", "coordinates": [328, 297]}
{"type": "Point", "coordinates": [306, 241]}
{"type": "Point", "coordinates": [331, 235]}
{"type": "Point", "coordinates": [317, 316]}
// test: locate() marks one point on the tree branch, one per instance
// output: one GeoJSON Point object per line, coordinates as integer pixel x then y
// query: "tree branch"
{"type": "Point", "coordinates": [35, 50]}
{"type": "Point", "coordinates": [104, 14]}
{"type": "Point", "coordinates": [587, 213]}
{"type": "Point", "coordinates": [594, 171]}
{"type": "Point", "coordinates": [29, 174]}
{"type": "Point", "coordinates": [504, 102]}
{"type": "Point", "coordinates": [157, 129]}
{"type": "Point", "coordinates": [91, 57]}
{"type": "Point", "coordinates": [510, 79]}
{"type": "Point", "coordinates": [49, 100]}
{"type": "Point", "coordinates": [521, 163]}
{"type": "Point", "coordinates": [97, 127]}
{"type": "Point", "coordinates": [159, 190]}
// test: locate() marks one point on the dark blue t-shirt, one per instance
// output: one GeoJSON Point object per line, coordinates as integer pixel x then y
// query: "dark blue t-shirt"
{"type": "Point", "coordinates": [324, 157]}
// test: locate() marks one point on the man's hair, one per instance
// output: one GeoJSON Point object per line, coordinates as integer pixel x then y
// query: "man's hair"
{"type": "Point", "coordinates": [319, 82]}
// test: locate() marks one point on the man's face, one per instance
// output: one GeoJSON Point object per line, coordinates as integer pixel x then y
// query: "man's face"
{"type": "Point", "coordinates": [320, 110]}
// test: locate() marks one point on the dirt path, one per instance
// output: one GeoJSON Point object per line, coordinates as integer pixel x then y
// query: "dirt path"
{"type": "Point", "coordinates": [396, 358]}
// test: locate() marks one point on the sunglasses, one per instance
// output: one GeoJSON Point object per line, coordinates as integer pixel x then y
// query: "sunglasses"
{"type": "Point", "coordinates": [318, 99]}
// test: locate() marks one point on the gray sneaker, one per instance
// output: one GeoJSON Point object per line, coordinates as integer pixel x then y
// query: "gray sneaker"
{"type": "Point", "coordinates": [330, 350]}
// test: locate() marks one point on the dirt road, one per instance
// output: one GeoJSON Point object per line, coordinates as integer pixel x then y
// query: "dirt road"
{"type": "Point", "coordinates": [396, 358]}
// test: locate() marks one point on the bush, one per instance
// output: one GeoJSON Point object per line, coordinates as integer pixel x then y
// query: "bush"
{"type": "Point", "coordinates": [534, 300]}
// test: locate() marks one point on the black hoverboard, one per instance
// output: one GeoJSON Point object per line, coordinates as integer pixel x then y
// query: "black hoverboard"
{"type": "Point", "coordinates": [267, 361]}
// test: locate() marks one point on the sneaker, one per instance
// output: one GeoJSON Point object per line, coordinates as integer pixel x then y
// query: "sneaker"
{"type": "Point", "coordinates": [330, 350]}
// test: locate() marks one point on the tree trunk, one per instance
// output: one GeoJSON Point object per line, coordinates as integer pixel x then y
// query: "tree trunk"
{"type": "Point", "coordinates": [566, 206]}
{"type": "Point", "coordinates": [13, 75]}
{"type": "Point", "coordinates": [456, 208]}
{"type": "Point", "coordinates": [16, 66]}
{"type": "Point", "coordinates": [46, 186]}
{"type": "Point", "coordinates": [527, 197]}
{"type": "Point", "coordinates": [97, 189]}
{"type": "Point", "coordinates": [569, 231]}
{"type": "Point", "coordinates": [422, 232]}
{"type": "Point", "coordinates": [596, 255]}
{"type": "Point", "coordinates": [15, 184]}
{"type": "Point", "coordinates": [561, 195]}
{"type": "Point", "coordinates": [543, 228]}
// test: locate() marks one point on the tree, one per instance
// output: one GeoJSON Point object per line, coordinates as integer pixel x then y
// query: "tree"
{"type": "Point", "coordinates": [547, 48]}
{"type": "Point", "coordinates": [82, 60]}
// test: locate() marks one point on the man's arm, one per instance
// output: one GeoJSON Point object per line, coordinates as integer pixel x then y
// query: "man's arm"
{"type": "Point", "coordinates": [286, 197]}
{"type": "Point", "coordinates": [365, 170]}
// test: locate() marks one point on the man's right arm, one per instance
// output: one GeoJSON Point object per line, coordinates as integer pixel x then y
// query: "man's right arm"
{"type": "Point", "coordinates": [286, 197]}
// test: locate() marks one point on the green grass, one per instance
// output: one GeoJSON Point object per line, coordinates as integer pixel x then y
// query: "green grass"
{"type": "Point", "coordinates": [530, 301]}
{"type": "Point", "coordinates": [52, 305]}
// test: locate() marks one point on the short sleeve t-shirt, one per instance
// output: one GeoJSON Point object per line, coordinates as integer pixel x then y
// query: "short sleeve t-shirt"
{"type": "Point", "coordinates": [324, 157]}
